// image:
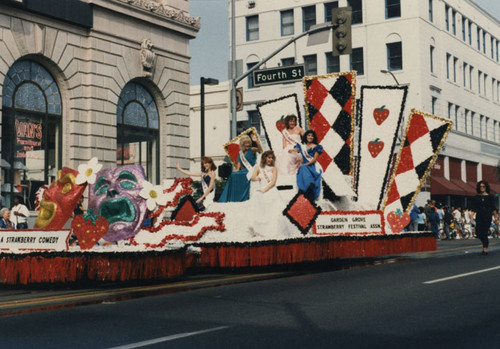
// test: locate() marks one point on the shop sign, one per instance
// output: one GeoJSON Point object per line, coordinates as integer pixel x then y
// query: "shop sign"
{"type": "Point", "coordinates": [28, 137]}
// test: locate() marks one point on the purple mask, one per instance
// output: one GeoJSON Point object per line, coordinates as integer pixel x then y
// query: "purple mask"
{"type": "Point", "coordinates": [115, 196]}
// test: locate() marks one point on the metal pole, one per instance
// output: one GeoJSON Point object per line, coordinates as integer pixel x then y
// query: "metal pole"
{"type": "Point", "coordinates": [233, 70]}
{"type": "Point", "coordinates": [264, 60]}
{"type": "Point", "coordinates": [202, 116]}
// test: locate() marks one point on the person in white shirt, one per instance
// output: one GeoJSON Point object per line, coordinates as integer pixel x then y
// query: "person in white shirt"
{"type": "Point", "coordinates": [457, 217]}
{"type": "Point", "coordinates": [20, 213]}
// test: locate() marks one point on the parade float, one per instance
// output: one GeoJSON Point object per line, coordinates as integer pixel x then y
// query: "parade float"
{"type": "Point", "coordinates": [134, 230]}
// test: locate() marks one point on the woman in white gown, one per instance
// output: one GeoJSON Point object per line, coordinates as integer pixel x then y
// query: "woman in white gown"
{"type": "Point", "coordinates": [266, 215]}
{"type": "Point", "coordinates": [289, 162]}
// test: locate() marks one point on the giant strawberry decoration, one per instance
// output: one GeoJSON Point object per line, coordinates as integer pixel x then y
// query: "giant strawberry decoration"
{"type": "Point", "coordinates": [280, 124]}
{"type": "Point", "coordinates": [375, 147]}
{"type": "Point", "coordinates": [89, 229]}
{"type": "Point", "coordinates": [398, 220]}
{"type": "Point", "coordinates": [380, 114]}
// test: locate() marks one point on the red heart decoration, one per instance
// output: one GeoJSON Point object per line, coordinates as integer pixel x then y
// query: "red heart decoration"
{"type": "Point", "coordinates": [398, 220]}
{"type": "Point", "coordinates": [233, 149]}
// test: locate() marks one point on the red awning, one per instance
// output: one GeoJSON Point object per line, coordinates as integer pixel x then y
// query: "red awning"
{"type": "Point", "coordinates": [442, 186]}
{"type": "Point", "coordinates": [466, 187]}
{"type": "Point", "coordinates": [494, 188]}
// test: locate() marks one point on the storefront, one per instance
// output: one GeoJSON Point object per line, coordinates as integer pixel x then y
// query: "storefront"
{"type": "Point", "coordinates": [453, 181]}
{"type": "Point", "coordinates": [77, 80]}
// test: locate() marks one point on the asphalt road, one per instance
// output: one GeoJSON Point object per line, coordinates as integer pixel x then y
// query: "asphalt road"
{"type": "Point", "coordinates": [443, 299]}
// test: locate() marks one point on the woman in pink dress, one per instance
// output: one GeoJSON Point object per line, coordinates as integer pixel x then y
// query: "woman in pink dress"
{"type": "Point", "coordinates": [288, 162]}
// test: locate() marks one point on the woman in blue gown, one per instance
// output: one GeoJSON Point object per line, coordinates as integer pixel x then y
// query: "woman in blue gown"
{"type": "Point", "coordinates": [238, 184]}
{"type": "Point", "coordinates": [309, 173]}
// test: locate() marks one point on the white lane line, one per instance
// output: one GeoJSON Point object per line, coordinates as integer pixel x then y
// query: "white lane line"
{"type": "Point", "coordinates": [460, 275]}
{"type": "Point", "coordinates": [168, 338]}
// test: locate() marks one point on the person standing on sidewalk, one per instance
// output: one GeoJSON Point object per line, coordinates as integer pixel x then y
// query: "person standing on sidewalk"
{"type": "Point", "coordinates": [447, 221]}
{"type": "Point", "coordinates": [433, 219]}
{"type": "Point", "coordinates": [483, 206]}
{"type": "Point", "coordinates": [20, 213]}
{"type": "Point", "coordinates": [413, 219]}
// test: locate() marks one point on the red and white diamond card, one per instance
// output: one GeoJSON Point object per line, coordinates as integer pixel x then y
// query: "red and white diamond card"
{"type": "Point", "coordinates": [330, 106]}
{"type": "Point", "coordinates": [425, 135]}
{"type": "Point", "coordinates": [381, 116]}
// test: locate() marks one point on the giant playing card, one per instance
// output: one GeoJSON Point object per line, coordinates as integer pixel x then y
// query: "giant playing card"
{"type": "Point", "coordinates": [272, 114]}
{"type": "Point", "coordinates": [381, 115]}
{"type": "Point", "coordinates": [330, 105]}
{"type": "Point", "coordinates": [424, 137]}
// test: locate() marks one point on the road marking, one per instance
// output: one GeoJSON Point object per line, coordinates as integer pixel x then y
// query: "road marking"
{"type": "Point", "coordinates": [168, 338]}
{"type": "Point", "coordinates": [460, 275]}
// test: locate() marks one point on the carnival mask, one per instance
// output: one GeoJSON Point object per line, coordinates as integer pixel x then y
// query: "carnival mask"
{"type": "Point", "coordinates": [59, 200]}
{"type": "Point", "coordinates": [115, 196]}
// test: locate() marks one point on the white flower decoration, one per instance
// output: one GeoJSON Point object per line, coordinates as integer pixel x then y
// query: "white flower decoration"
{"type": "Point", "coordinates": [86, 172]}
{"type": "Point", "coordinates": [153, 194]}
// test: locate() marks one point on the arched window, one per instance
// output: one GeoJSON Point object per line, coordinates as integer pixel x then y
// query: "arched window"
{"type": "Point", "coordinates": [137, 130]}
{"type": "Point", "coordinates": [31, 130]}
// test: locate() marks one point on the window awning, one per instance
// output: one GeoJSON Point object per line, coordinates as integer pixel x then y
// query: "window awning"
{"type": "Point", "coordinates": [468, 188]}
{"type": "Point", "coordinates": [442, 186]}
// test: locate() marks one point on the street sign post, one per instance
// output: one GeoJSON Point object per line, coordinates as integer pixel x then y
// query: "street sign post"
{"type": "Point", "coordinates": [239, 99]}
{"type": "Point", "coordinates": [278, 75]}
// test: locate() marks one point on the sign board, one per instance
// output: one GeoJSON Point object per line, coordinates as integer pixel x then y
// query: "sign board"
{"type": "Point", "coordinates": [278, 75]}
{"type": "Point", "coordinates": [34, 240]}
{"type": "Point", "coordinates": [28, 136]}
{"type": "Point", "coordinates": [349, 223]}
{"type": "Point", "coordinates": [239, 99]}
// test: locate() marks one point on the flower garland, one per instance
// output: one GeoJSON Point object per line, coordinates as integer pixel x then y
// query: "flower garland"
{"type": "Point", "coordinates": [218, 226]}
{"type": "Point", "coordinates": [185, 190]}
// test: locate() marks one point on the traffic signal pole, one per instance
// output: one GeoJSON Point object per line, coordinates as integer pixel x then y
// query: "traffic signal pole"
{"type": "Point", "coordinates": [236, 80]}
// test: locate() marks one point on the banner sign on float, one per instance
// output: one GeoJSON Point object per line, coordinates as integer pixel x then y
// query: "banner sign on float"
{"type": "Point", "coordinates": [34, 240]}
{"type": "Point", "coordinates": [349, 223]}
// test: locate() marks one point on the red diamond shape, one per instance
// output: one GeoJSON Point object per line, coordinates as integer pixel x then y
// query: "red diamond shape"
{"type": "Point", "coordinates": [316, 94]}
{"type": "Point", "coordinates": [406, 161]}
{"type": "Point", "coordinates": [393, 194]}
{"type": "Point", "coordinates": [324, 160]}
{"type": "Point", "coordinates": [302, 212]}
{"type": "Point", "coordinates": [185, 212]}
{"type": "Point", "coordinates": [320, 126]}
{"type": "Point", "coordinates": [418, 128]}
{"type": "Point", "coordinates": [348, 106]}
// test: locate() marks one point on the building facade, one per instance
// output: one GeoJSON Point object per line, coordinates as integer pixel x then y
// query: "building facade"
{"type": "Point", "coordinates": [92, 78]}
{"type": "Point", "coordinates": [447, 52]}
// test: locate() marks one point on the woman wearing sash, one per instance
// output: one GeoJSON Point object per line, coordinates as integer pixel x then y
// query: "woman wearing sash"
{"type": "Point", "coordinates": [238, 184]}
{"type": "Point", "coordinates": [309, 174]}
{"type": "Point", "coordinates": [207, 175]}
{"type": "Point", "coordinates": [266, 203]}
{"type": "Point", "coordinates": [289, 162]}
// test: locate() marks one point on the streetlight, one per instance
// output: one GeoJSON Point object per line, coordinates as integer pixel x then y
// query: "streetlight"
{"type": "Point", "coordinates": [203, 82]}
{"type": "Point", "coordinates": [383, 71]}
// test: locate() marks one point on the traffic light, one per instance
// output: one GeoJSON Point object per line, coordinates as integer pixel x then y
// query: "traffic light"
{"type": "Point", "coordinates": [342, 39]}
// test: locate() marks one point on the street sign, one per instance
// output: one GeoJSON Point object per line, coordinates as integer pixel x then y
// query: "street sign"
{"type": "Point", "coordinates": [278, 75]}
{"type": "Point", "coordinates": [239, 98]}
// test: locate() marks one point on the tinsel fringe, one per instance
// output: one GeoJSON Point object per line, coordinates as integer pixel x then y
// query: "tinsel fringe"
{"type": "Point", "coordinates": [310, 251]}
{"type": "Point", "coordinates": [28, 269]}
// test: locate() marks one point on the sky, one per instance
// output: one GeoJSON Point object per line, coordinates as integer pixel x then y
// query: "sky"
{"type": "Point", "coordinates": [210, 49]}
